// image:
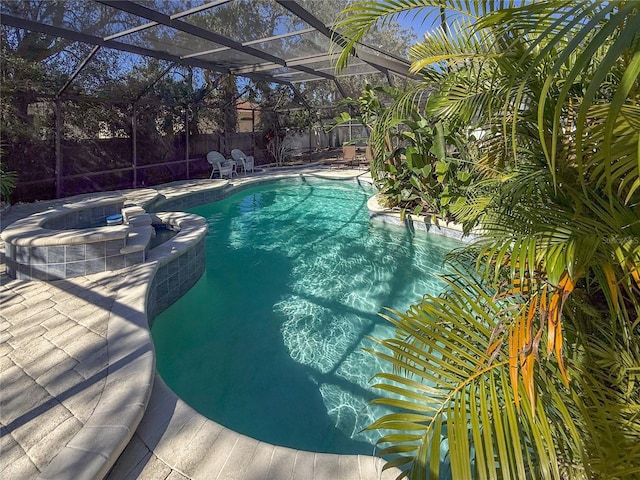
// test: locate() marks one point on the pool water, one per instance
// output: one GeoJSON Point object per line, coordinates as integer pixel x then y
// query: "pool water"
{"type": "Point", "coordinates": [270, 341]}
{"type": "Point", "coordinates": [161, 234]}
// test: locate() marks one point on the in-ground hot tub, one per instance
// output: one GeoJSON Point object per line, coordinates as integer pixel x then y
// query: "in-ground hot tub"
{"type": "Point", "coordinates": [74, 240]}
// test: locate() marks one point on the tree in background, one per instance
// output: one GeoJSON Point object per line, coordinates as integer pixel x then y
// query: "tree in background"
{"type": "Point", "coordinates": [34, 65]}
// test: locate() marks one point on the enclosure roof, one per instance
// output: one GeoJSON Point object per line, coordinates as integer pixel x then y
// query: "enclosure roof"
{"type": "Point", "coordinates": [223, 36]}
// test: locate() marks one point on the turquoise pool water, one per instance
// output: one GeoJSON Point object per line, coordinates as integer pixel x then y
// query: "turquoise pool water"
{"type": "Point", "coordinates": [270, 341]}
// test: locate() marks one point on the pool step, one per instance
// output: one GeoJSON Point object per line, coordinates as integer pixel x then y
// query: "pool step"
{"type": "Point", "coordinates": [136, 216]}
{"type": "Point", "coordinates": [141, 231]}
{"type": "Point", "coordinates": [130, 212]}
{"type": "Point", "coordinates": [138, 240]}
{"type": "Point", "coordinates": [140, 220]}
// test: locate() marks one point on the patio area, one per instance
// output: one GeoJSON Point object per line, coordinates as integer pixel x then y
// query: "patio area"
{"type": "Point", "coordinates": [80, 396]}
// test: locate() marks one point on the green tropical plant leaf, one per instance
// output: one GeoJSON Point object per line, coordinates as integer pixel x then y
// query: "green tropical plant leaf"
{"type": "Point", "coordinates": [442, 375]}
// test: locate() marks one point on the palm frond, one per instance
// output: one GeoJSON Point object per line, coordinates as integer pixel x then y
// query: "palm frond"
{"type": "Point", "coordinates": [454, 47]}
{"type": "Point", "coordinates": [357, 19]}
{"type": "Point", "coordinates": [617, 167]}
{"type": "Point", "coordinates": [606, 393]}
{"type": "Point", "coordinates": [448, 393]}
{"type": "Point", "coordinates": [589, 26]}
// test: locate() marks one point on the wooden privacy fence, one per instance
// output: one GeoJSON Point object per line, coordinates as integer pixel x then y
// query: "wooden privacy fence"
{"type": "Point", "coordinates": [55, 166]}
{"type": "Point", "coordinates": [92, 165]}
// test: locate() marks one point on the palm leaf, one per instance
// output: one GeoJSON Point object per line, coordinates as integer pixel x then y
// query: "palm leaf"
{"type": "Point", "coordinates": [360, 17]}
{"type": "Point", "coordinates": [589, 25]}
{"type": "Point", "coordinates": [444, 388]}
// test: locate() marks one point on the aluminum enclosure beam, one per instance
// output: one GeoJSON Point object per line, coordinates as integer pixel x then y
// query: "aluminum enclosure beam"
{"type": "Point", "coordinates": [299, 95]}
{"type": "Point", "coordinates": [196, 31]}
{"type": "Point", "coordinates": [78, 69]}
{"type": "Point", "coordinates": [166, 20]}
{"type": "Point", "coordinates": [340, 88]}
{"type": "Point", "coordinates": [145, 26]}
{"type": "Point", "coordinates": [381, 63]}
{"type": "Point", "coordinates": [386, 63]}
{"type": "Point", "coordinates": [255, 42]}
{"type": "Point", "coordinates": [124, 47]}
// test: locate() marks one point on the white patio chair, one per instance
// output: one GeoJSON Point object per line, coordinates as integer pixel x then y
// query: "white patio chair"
{"type": "Point", "coordinates": [245, 160]}
{"type": "Point", "coordinates": [218, 162]}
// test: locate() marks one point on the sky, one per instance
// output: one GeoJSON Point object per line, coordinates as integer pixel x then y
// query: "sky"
{"type": "Point", "coordinates": [420, 22]}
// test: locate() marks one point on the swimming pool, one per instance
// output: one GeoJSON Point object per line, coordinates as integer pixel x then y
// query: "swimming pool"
{"type": "Point", "coordinates": [270, 341]}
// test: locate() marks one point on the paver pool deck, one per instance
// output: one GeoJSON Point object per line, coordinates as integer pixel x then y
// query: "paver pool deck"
{"type": "Point", "coordinates": [77, 373]}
